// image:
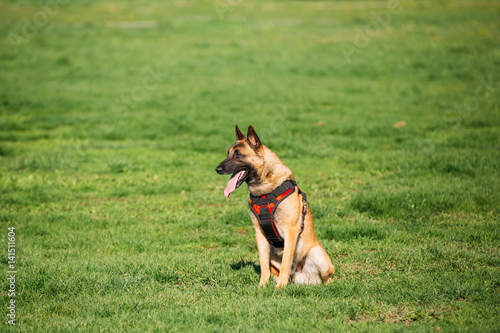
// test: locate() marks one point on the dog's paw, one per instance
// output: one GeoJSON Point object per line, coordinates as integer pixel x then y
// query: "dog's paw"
{"type": "Point", "coordinates": [263, 284]}
{"type": "Point", "coordinates": [281, 285]}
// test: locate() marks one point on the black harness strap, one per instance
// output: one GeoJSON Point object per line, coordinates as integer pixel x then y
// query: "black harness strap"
{"type": "Point", "coordinates": [264, 206]}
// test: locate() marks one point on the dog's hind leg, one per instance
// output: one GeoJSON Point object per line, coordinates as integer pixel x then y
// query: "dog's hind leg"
{"type": "Point", "coordinates": [275, 265]}
{"type": "Point", "coordinates": [306, 272]}
{"type": "Point", "coordinates": [274, 272]}
{"type": "Point", "coordinates": [322, 262]}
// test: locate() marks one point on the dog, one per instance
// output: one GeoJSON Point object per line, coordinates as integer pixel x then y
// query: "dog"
{"type": "Point", "coordinates": [283, 222]}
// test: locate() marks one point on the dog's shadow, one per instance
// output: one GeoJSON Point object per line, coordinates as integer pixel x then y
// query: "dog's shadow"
{"type": "Point", "coordinates": [243, 263]}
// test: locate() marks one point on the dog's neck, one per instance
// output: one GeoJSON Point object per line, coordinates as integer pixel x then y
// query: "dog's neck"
{"type": "Point", "coordinates": [269, 175]}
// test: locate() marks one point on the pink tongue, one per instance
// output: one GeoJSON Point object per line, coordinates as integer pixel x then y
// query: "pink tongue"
{"type": "Point", "coordinates": [231, 184]}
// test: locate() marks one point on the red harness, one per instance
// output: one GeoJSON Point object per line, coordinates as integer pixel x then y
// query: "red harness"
{"type": "Point", "coordinates": [264, 206]}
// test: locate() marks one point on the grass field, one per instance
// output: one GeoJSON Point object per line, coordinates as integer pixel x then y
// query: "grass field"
{"type": "Point", "coordinates": [114, 115]}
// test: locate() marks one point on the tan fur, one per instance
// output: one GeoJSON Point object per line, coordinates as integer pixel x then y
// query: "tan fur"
{"type": "Point", "coordinates": [303, 259]}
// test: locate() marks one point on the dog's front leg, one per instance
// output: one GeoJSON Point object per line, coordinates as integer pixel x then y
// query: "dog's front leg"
{"type": "Point", "coordinates": [286, 264]}
{"type": "Point", "coordinates": [264, 256]}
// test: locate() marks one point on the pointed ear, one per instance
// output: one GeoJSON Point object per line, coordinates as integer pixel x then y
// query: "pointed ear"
{"type": "Point", "coordinates": [253, 138]}
{"type": "Point", "coordinates": [239, 135]}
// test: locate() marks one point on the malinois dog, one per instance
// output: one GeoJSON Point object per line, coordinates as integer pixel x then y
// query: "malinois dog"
{"type": "Point", "coordinates": [283, 222]}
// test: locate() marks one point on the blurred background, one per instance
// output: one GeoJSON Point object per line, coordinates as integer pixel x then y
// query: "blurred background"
{"type": "Point", "coordinates": [158, 86]}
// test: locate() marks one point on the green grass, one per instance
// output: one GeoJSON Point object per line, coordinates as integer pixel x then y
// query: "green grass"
{"type": "Point", "coordinates": [121, 223]}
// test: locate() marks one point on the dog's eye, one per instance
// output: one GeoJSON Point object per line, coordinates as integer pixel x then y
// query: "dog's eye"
{"type": "Point", "coordinates": [237, 153]}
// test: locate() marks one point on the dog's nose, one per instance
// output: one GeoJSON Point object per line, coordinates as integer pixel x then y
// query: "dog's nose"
{"type": "Point", "coordinates": [218, 169]}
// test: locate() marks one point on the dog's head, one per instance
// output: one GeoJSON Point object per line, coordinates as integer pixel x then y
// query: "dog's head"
{"type": "Point", "coordinates": [244, 160]}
